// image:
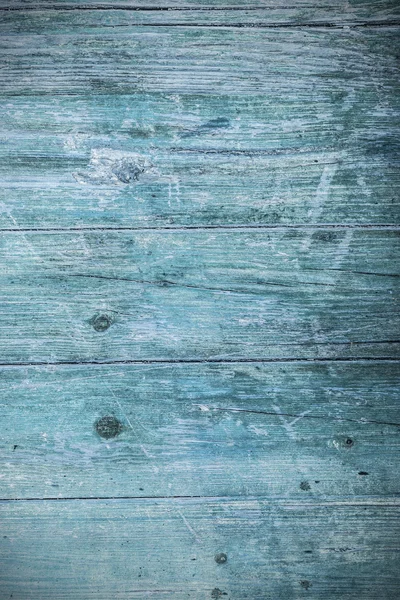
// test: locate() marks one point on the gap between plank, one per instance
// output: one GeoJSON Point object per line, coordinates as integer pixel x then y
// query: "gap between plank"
{"type": "Point", "coordinates": [305, 25]}
{"type": "Point", "coordinates": [222, 228]}
{"type": "Point", "coordinates": [109, 7]}
{"type": "Point", "coordinates": [200, 361]}
{"type": "Point", "coordinates": [377, 501]}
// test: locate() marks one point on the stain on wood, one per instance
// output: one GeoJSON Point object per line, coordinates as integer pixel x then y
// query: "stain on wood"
{"type": "Point", "coordinates": [199, 363]}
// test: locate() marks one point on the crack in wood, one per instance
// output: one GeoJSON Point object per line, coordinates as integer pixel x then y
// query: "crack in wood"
{"type": "Point", "coordinates": [167, 282]}
{"type": "Point", "coordinates": [300, 416]}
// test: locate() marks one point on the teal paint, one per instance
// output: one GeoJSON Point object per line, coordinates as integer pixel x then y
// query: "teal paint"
{"type": "Point", "coordinates": [165, 548]}
{"type": "Point", "coordinates": [180, 60]}
{"type": "Point", "coordinates": [205, 295]}
{"type": "Point", "coordinates": [198, 295]}
{"type": "Point", "coordinates": [288, 140]}
{"type": "Point", "coordinates": [214, 12]}
{"type": "Point", "coordinates": [299, 431]}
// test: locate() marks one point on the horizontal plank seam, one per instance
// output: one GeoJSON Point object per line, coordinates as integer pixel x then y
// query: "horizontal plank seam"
{"type": "Point", "coordinates": [198, 361]}
{"type": "Point", "coordinates": [30, 159]}
{"type": "Point", "coordinates": [123, 7]}
{"type": "Point", "coordinates": [76, 94]}
{"type": "Point", "coordinates": [25, 158]}
{"type": "Point", "coordinates": [100, 6]}
{"type": "Point", "coordinates": [289, 151]}
{"type": "Point", "coordinates": [281, 25]}
{"type": "Point", "coordinates": [305, 25]}
{"type": "Point", "coordinates": [378, 501]}
{"type": "Point", "coordinates": [180, 228]}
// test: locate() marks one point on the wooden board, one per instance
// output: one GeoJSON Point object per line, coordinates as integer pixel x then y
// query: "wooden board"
{"type": "Point", "coordinates": [290, 430]}
{"type": "Point", "coordinates": [63, 56]}
{"type": "Point", "coordinates": [248, 294]}
{"type": "Point", "coordinates": [216, 12]}
{"type": "Point", "coordinates": [156, 161]}
{"type": "Point", "coordinates": [198, 296]}
{"type": "Point", "coordinates": [208, 135]}
{"type": "Point", "coordinates": [168, 549]}
{"type": "Point", "coordinates": [352, 123]}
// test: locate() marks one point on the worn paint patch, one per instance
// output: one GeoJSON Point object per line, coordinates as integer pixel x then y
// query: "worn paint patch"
{"type": "Point", "coordinates": [113, 166]}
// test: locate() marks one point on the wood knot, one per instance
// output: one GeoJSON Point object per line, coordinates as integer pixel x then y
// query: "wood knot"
{"type": "Point", "coordinates": [217, 593]}
{"type": "Point", "coordinates": [101, 322]}
{"type": "Point", "coordinates": [305, 486]}
{"type": "Point", "coordinates": [113, 166]}
{"type": "Point", "coordinates": [221, 558]}
{"type": "Point", "coordinates": [108, 427]}
{"type": "Point", "coordinates": [305, 584]}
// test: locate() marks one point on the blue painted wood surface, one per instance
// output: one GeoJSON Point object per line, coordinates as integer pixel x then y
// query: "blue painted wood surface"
{"type": "Point", "coordinates": [199, 295]}
{"type": "Point", "coordinates": [297, 430]}
{"type": "Point", "coordinates": [199, 365]}
{"type": "Point", "coordinates": [171, 548]}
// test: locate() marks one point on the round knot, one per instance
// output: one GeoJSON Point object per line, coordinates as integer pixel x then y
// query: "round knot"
{"type": "Point", "coordinates": [101, 322]}
{"type": "Point", "coordinates": [108, 427]}
{"type": "Point", "coordinates": [221, 558]}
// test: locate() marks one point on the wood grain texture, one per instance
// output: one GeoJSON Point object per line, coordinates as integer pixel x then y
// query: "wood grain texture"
{"type": "Point", "coordinates": [216, 295]}
{"type": "Point", "coordinates": [63, 56]}
{"type": "Point", "coordinates": [156, 161]}
{"type": "Point", "coordinates": [291, 430]}
{"type": "Point", "coordinates": [212, 411]}
{"type": "Point", "coordinates": [209, 134]}
{"type": "Point", "coordinates": [216, 12]}
{"type": "Point", "coordinates": [167, 549]}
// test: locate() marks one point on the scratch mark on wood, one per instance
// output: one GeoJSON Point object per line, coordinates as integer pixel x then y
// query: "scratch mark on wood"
{"type": "Point", "coordinates": [342, 250]}
{"type": "Point", "coordinates": [189, 527]}
{"type": "Point", "coordinates": [320, 198]}
{"type": "Point", "coordinates": [286, 425]}
{"type": "Point", "coordinates": [141, 446]}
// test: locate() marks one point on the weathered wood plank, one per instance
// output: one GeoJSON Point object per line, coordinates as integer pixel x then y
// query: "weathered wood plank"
{"type": "Point", "coordinates": [289, 430]}
{"type": "Point", "coordinates": [80, 59]}
{"type": "Point", "coordinates": [197, 190]}
{"type": "Point", "coordinates": [168, 549]}
{"type": "Point", "coordinates": [65, 126]}
{"type": "Point", "coordinates": [144, 159]}
{"type": "Point", "coordinates": [270, 14]}
{"type": "Point", "coordinates": [216, 12]}
{"type": "Point", "coordinates": [209, 295]}
{"type": "Point", "coordinates": [307, 432]}
{"type": "Point", "coordinates": [154, 161]}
